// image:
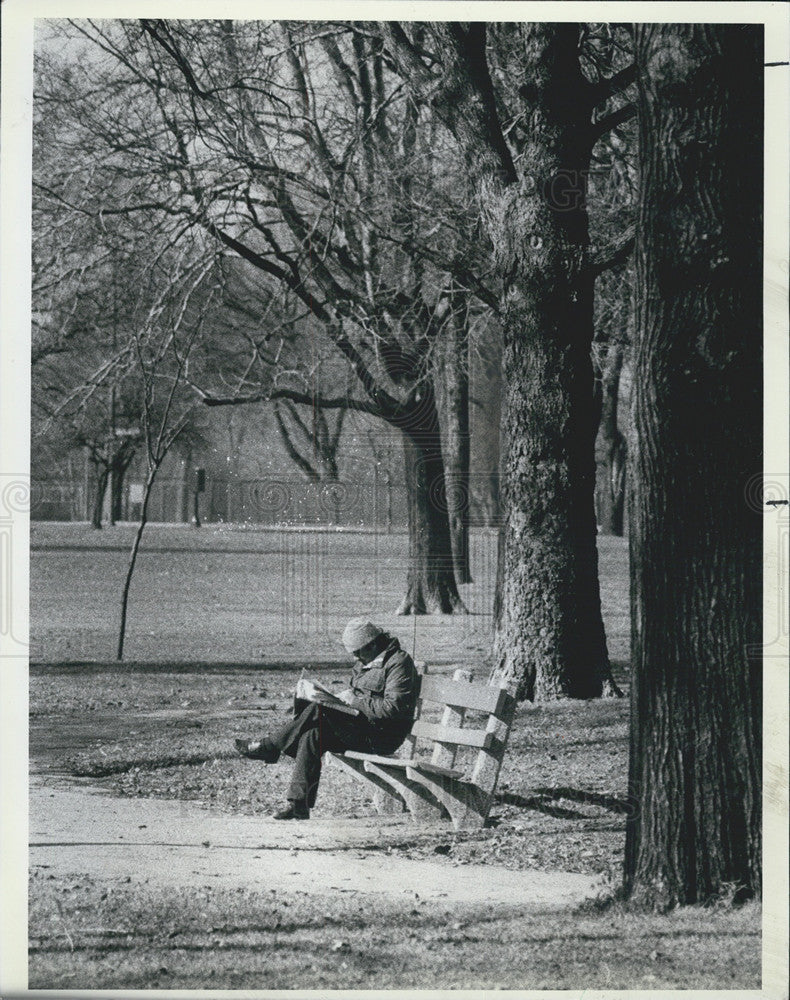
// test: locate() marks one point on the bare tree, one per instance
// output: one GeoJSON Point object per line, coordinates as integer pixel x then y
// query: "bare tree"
{"type": "Point", "coordinates": [161, 350]}
{"type": "Point", "coordinates": [521, 110]}
{"type": "Point", "coordinates": [249, 142]}
{"type": "Point", "coordinates": [76, 342]}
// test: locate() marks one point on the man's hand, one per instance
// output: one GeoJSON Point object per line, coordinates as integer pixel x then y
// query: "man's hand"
{"type": "Point", "coordinates": [305, 689]}
{"type": "Point", "coordinates": [346, 696]}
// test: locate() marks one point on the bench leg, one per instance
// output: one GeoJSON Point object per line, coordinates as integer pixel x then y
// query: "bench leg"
{"type": "Point", "coordinates": [421, 801]}
{"type": "Point", "coordinates": [386, 799]}
{"type": "Point", "coordinates": [467, 806]}
{"type": "Point", "coordinates": [388, 802]}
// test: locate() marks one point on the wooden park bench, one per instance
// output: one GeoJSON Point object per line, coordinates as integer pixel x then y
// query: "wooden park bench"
{"type": "Point", "coordinates": [432, 786]}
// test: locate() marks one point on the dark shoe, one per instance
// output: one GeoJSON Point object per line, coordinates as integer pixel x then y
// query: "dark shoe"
{"type": "Point", "coordinates": [294, 810]}
{"type": "Point", "coordinates": [258, 750]}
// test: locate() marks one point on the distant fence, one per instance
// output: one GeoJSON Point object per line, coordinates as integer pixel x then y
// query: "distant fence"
{"type": "Point", "coordinates": [57, 501]}
{"type": "Point", "coordinates": [380, 505]}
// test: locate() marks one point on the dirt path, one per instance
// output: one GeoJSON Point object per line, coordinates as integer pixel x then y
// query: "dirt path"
{"type": "Point", "coordinates": [81, 831]}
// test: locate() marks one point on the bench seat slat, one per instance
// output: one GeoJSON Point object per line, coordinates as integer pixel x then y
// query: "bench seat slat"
{"type": "Point", "coordinates": [404, 762]}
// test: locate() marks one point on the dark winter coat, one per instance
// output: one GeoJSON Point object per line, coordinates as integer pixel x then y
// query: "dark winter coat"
{"type": "Point", "coordinates": [386, 690]}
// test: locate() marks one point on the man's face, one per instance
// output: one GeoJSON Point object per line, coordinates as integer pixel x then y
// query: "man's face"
{"type": "Point", "coordinates": [368, 653]}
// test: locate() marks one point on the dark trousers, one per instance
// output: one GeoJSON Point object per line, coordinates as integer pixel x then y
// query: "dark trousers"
{"type": "Point", "coordinates": [316, 729]}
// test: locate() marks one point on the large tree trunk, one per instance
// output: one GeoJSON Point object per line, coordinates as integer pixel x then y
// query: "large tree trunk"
{"type": "Point", "coordinates": [550, 641]}
{"type": "Point", "coordinates": [430, 581]}
{"type": "Point", "coordinates": [612, 450]}
{"type": "Point", "coordinates": [550, 638]}
{"type": "Point", "coordinates": [455, 377]}
{"type": "Point", "coordinates": [696, 543]}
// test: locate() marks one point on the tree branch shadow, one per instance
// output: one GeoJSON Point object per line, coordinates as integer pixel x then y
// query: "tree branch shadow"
{"type": "Point", "coordinates": [540, 803]}
{"type": "Point", "coordinates": [611, 802]}
{"type": "Point", "coordinates": [543, 799]}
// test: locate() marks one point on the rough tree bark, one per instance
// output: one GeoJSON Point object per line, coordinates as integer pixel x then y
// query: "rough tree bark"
{"type": "Point", "coordinates": [612, 449]}
{"type": "Point", "coordinates": [696, 543]}
{"type": "Point", "coordinates": [430, 581]}
{"type": "Point", "coordinates": [455, 379]}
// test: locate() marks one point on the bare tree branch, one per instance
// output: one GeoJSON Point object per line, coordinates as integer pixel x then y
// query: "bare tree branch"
{"type": "Point", "coordinates": [617, 252]}
{"type": "Point", "coordinates": [611, 121]}
{"type": "Point", "coordinates": [325, 402]}
{"type": "Point", "coordinates": [158, 30]}
{"type": "Point", "coordinates": [406, 55]}
{"type": "Point", "coordinates": [604, 89]}
{"type": "Point", "coordinates": [293, 452]}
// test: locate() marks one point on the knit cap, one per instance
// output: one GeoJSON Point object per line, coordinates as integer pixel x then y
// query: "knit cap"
{"type": "Point", "coordinates": [358, 633]}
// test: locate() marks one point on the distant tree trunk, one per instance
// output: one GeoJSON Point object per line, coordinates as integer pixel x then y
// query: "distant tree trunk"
{"type": "Point", "coordinates": [184, 492]}
{"type": "Point", "coordinates": [101, 477]}
{"type": "Point", "coordinates": [696, 544]}
{"type": "Point", "coordinates": [291, 450]}
{"type": "Point", "coordinates": [120, 464]}
{"type": "Point", "coordinates": [430, 582]}
{"type": "Point", "coordinates": [612, 448]}
{"type": "Point", "coordinates": [116, 493]}
{"type": "Point", "coordinates": [455, 374]}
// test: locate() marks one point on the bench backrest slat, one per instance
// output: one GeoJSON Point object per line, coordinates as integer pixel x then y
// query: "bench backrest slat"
{"type": "Point", "coordinates": [462, 694]}
{"type": "Point", "coordinates": [454, 734]}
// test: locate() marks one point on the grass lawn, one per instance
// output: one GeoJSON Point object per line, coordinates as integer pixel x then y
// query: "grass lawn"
{"type": "Point", "coordinates": [208, 616]}
{"type": "Point", "coordinates": [242, 595]}
{"type": "Point", "coordinates": [88, 935]}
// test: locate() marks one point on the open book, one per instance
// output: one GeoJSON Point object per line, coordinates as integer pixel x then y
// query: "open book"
{"type": "Point", "coordinates": [307, 690]}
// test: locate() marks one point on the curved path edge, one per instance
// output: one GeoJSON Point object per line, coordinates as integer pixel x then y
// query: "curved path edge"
{"type": "Point", "coordinates": [177, 844]}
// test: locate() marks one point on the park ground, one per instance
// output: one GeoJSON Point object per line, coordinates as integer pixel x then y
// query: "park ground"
{"type": "Point", "coordinates": [153, 861]}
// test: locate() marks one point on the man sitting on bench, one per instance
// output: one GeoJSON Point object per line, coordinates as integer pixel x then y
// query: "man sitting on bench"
{"type": "Point", "coordinates": [383, 689]}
